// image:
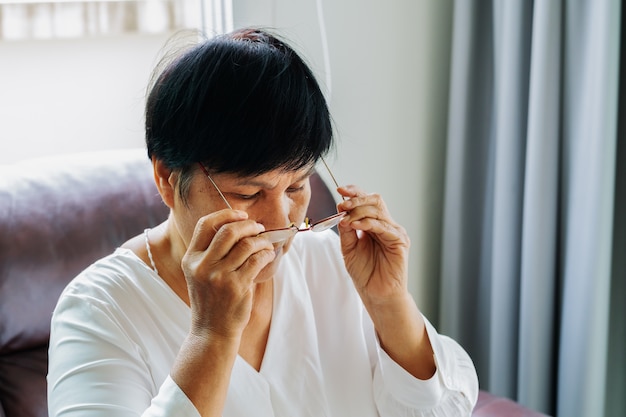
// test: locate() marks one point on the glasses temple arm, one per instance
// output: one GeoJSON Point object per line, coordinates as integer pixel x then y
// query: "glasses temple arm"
{"type": "Point", "coordinates": [214, 185]}
{"type": "Point", "coordinates": [331, 175]}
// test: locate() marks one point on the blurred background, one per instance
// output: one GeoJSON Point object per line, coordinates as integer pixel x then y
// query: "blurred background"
{"type": "Point", "coordinates": [491, 128]}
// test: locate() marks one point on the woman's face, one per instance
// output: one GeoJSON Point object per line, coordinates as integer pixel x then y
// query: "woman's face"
{"type": "Point", "coordinates": [275, 199]}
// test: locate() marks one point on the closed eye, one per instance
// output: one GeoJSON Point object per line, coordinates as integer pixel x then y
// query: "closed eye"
{"type": "Point", "coordinates": [247, 196]}
{"type": "Point", "coordinates": [295, 189]}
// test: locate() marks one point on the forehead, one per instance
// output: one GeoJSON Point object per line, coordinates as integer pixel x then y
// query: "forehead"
{"type": "Point", "coordinates": [269, 179]}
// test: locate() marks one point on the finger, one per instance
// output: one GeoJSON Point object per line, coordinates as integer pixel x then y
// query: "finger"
{"type": "Point", "coordinates": [231, 234]}
{"type": "Point", "coordinates": [351, 191]}
{"type": "Point", "coordinates": [236, 269]}
{"type": "Point", "coordinates": [365, 212]}
{"type": "Point", "coordinates": [361, 208]}
{"type": "Point", "coordinates": [348, 238]}
{"type": "Point", "coordinates": [381, 230]}
{"type": "Point", "coordinates": [373, 219]}
{"type": "Point", "coordinates": [207, 227]}
{"type": "Point", "coordinates": [256, 262]}
{"type": "Point", "coordinates": [363, 199]}
{"type": "Point", "coordinates": [246, 248]}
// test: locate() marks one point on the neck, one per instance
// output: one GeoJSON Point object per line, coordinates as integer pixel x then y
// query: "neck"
{"type": "Point", "coordinates": [168, 250]}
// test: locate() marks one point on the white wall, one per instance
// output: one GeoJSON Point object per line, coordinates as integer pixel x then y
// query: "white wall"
{"type": "Point", "coordinates": [389, 65]}
{"type": "Point", "coordinates": [59, 96]}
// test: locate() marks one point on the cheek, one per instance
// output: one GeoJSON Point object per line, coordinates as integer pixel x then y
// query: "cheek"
{"type": "Point", "coordinates": [185, 222]}
{"type": "Point", "coordinates": [186, 215]}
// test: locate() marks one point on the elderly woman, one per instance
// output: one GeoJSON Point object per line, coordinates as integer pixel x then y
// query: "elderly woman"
{"type": "Point", "coordinates": [230, 309]}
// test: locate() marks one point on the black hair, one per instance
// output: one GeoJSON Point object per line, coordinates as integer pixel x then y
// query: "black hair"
{"type": "Point", "coordinates": [242, 103]}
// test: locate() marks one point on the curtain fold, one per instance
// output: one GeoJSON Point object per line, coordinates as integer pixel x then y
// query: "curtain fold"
{"type": "Point", "coordinates": [512, 24]}
{"type": "Point", "coordinates": [538, 269]}
{"type": "Point", "coordinates": [528, 218]}
{"type": "Point", "coordinates": [616, 372]}
{"type": "Point", "coordinates": [589, 128]}
{"type": "Point", "coordinates": [465, 300]}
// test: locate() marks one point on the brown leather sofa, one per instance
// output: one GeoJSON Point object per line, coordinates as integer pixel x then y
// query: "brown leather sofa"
{"type": "Point", "coordinates": [59, 214]}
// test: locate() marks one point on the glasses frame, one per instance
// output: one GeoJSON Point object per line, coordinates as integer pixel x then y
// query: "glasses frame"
{"type": "Point", "coordinates": [285, 233]}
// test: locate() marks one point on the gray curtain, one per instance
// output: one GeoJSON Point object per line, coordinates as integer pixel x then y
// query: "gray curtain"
{"type": "Point", "coordinates": [533, 277]}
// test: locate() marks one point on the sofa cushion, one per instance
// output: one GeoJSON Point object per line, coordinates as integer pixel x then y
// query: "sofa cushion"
{"type": "Point", "coordinates": [58, 215]}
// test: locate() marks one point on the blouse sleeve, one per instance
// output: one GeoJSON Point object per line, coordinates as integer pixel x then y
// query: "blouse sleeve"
{"type": "Point", "coordinates": [451, 392]}
{"type": "Point", "coordinates": [171, 401]}
{"type": "Point", "coordinates": [96, 370]}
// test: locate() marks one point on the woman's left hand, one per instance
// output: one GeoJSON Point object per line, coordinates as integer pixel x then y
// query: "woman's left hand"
{"type": "Point", "coordinates": [375, 248]}
{"type": "Point", "coordinates": [376, 252]}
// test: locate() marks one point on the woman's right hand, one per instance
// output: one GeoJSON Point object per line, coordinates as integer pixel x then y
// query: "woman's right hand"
{"type": "Point", "coordinates": [224, 256]}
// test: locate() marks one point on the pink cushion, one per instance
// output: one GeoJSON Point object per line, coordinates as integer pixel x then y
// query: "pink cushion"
{"type": "Point", "coordinates": [489, 405]}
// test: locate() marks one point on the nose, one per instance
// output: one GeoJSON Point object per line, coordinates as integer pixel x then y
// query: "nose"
{"type": "Point", "coordinates": [276, 211]}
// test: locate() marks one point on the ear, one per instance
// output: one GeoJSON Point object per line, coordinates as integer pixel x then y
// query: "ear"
{"type": "Point", "coordinates": [165, 180]}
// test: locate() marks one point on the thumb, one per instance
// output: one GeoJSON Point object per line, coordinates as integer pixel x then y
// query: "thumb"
{"type": "Point", "coordinates": [348, 238]}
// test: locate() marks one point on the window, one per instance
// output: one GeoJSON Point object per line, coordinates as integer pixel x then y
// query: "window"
{"type": "Point", "coordinates": [31, 19]}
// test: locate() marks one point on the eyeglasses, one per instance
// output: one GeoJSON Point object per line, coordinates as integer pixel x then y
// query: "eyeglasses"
{"type": "Point", "coordinates": [285, 233]}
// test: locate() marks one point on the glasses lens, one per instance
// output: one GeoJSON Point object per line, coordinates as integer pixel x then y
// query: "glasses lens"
{"type": "Point", "coordinates": [328, 222]}
{"type": "Point", "coordinates": [279, 235]}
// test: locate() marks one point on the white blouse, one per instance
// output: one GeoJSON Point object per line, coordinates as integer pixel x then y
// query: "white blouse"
{"type": "Point", "coordinates": [118, 327]}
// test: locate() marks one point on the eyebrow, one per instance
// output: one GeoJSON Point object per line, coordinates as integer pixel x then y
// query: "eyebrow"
{"type": "Point", "coordinates": [253, 182]}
